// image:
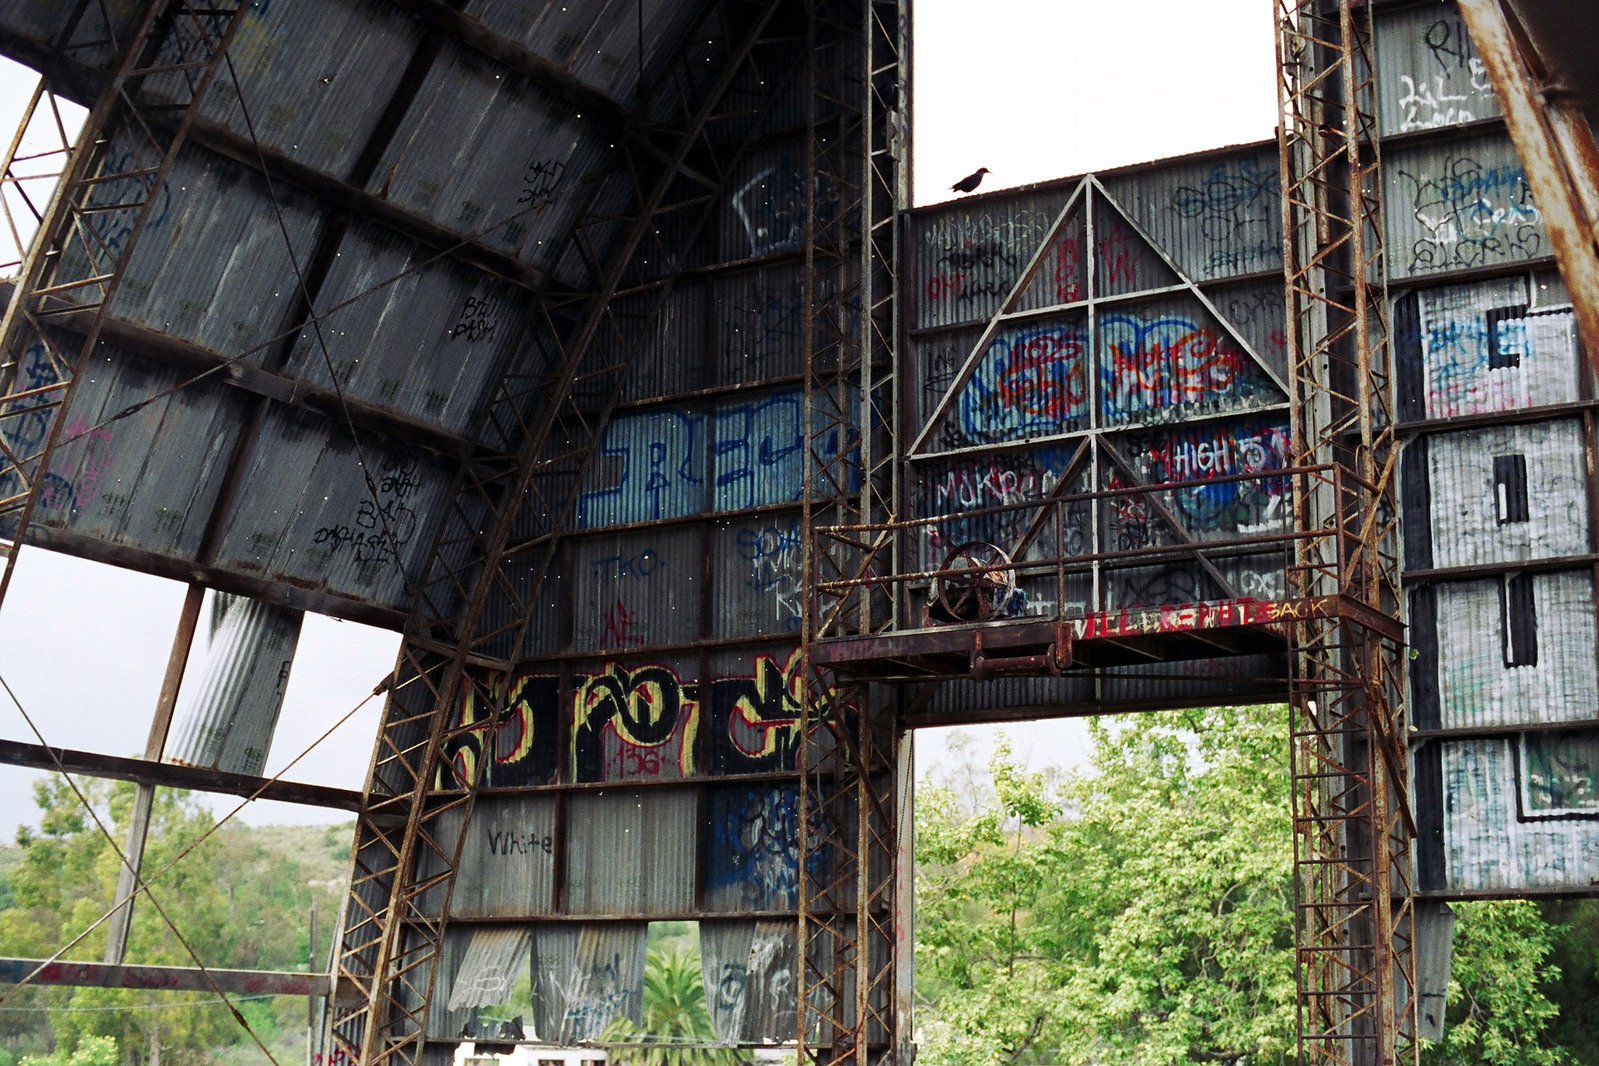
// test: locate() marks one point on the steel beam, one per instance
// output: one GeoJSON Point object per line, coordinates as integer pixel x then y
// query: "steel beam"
{"type": "Point", "coordinates": [164, 978]}
{"type": "Point", "coordinates": [171, 775]}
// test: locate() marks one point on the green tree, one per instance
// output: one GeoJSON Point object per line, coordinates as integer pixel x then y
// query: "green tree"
{"type": "Point", "coordinates": [674, 1015]}
{"type": "Point", "coordinates": [236, 904]}
{"type": "Point", "coordinates": [1141, 912]}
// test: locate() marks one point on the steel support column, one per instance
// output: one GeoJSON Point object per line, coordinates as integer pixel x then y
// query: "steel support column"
{"type": "Point", "coordinates": [1352, 830]}
{"type": "Point", "coordinates": [855, 152]}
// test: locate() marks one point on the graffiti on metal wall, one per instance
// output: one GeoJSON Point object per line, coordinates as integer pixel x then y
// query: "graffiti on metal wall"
{"type": "Point", "coordinates": [655, 465]}
{"type": "Point", "coordinates": [755, 720]}
{"type": "Point", "coordinates": [633, 722]}
{"type": "Point", "coordinates": [979, 484]}
{"type": "Point", "coordinates": [1172, 366]}
{"type": "Point", "coordinates": [1502, 829]}
{"type": "Point", "coordinates": [1485, 347]}
{"type": "Point", "coordinates": [774, 554]}
{"type": "Point", "coordinates": [753, 854]}
{"type": "Point", "coordinates": [1450, 87]}
{"type": "Point", "coordinates": [1238, 214]}
{"type": "Point", "coordinates": [1031, 382]}
{"type": "Point", "coordinates": [1506, 494]}
{"type": "Point", "coordinates": [1465, 211]}
{"type": "Point", "coordinates": [1208, 452]}
{"type": "Point", "coordinates": [525, 735]}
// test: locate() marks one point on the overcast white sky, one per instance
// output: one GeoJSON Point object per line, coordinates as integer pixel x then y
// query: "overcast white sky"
{"type": "Point", "coordinates": [1031, 89]}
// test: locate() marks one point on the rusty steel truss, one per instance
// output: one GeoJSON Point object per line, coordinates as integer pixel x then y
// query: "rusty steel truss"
{"type": "Point", "coordinates": [72, 249]}
{"type": "Point", "coordinates": [499, 541]}
{"type": "Point", "coordinates": [849, 998]}
{"type": "Point", "coordinates": [1353, 831]}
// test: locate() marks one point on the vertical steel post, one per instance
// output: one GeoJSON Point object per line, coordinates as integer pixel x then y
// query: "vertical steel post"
{"type": "Point", "coordinates": [1352, 829]}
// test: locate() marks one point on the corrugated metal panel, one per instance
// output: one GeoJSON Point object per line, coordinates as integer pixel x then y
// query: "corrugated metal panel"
{"type": "Point", "coordinates": [754, 710]}
{"type": "Point", "coordinates": [1508, 494]}
{"type": "Point", "coordinates": [1486, 346]}
{"type": "Point", "coordinates": [966, 699]}
{"type": "Point", "coordinates": [311, 83]}
{"type": "Point", "coordinates": [750, 980]}
{"type": "Point", "coordinates": [585, 977]}
{"type": "Point", "coordinates": [968, 257]}
{"type": "Point", "coordinates": [631, 852]}
{"type": "Point", "coordinates": [759, 453]}
{"type": "Point", "coordinates": [636, 720]}
{"type": "Point", "coordinates": [649, 465]}
{"type": "Point", "coordinates": [752, 848]}
{"type": "Point", "coordinates": [760, 325]}
{"type": "Point", "coordinates": [608, 59]}
{"type": "Point", "coordinates": [939, 360]}
{"type": "Point", "coordinates": [149, 480]}
{"type": "Point", "coordinates": [507, 867]}
{"type": "Point", "coordinates": [1169, 360]}
{"type": "Point", "coordinates": [474, 965]}
{"type": "Point", "coordinates": [1124, 261]}
{"type": "Point", "coordinates": [234, 691]}
{"type": "Point", "coordinates": [1428, 72]}
{"type": "Point", "coordinates": [1256, 311]}
{"type": "Point", "coordinates": [1216, 217]}
{"type": "Point", "coordinates": [1033, 381]}
{"type": "Point", "coordinates": [663, 346]}
{"type": "Point", "coordinates": [765, 213]}
{"type": "Point", "coordinates": [211, 265]}
{"type": "Point", "coordinates": [637, 590]}
{"type": "Point", "coordinates": [1212, 450]}
{"type": "Point", "coordinates": [1253, 678]}
{"type": "Point", "coordinates": [490, 966]}
{"type": "Point", "coordinates": [1458, 204]}
{"type": "Point", "coordinates": [1556, 678]}
{"type": "Point", "coordinates": [1521, 812]}
{"type": "Point", "coordinates": [306, 516]}
{"type": "Point", "coordinates": [757, 577]}
{"type": "Point", "coordinates": [427, 346]}
{"type": "Point", "coordinates": [483, 150]}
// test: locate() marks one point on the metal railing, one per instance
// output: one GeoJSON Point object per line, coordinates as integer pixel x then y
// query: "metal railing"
{"type": "Point", "coordinates": [1073, 546]}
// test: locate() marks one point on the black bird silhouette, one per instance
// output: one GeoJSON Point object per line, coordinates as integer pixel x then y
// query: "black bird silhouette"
{"type": "Point", "coordinates": [970, 181]}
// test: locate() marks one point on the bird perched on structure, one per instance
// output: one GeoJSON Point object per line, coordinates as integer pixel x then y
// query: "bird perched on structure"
{"type": "Point", "coordinates": [970, 181]}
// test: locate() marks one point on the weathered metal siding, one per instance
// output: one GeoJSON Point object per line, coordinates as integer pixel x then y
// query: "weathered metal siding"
{"type": "Point", "coordinates": [1507, 494]}
{"type": "Point", "coordinates": [1481, 677]}
{"type": "Point", "coordinates": [585, 977]}
{"type": "Point", "coordinates": [969, 256]}
{"type": "Point", "coordinates": [310, 84]}
{"type": "Point", "coordinates": [461, 158]}
{"type": "Point", "coordinates": [750, 980]}
{"type": "Point", "coordinates": [650, 465]}
{"type": "Point", "coordinates": [233, 691]}
{"type": "Point", "coordinates": [413, 334]}
{"type": "Point", "coordinates": [636, 720]}
{"type": "Point", "coordinates": [212, 266]}
{"type": "Point", "coordinates": [149, 480]}
{"type": "Point", "coordinates": [637, 589]}
{"type": "Point", "coordinates": [1430, 75]}
{"type": "Point", "coordinates": [757, 575]}
{"type": "Point", "coordinates": [1457, 204]}
{"type": "Point", "coordinates": [760, 324]}
{"type": "Point", "coordinates": [508, 864]}
{"type": "Point", "coordinates": [631, 852]}
{"type": "Point", "coordinates": [664, 347]}
{"type": "Point", "coordinates": [41, 23]}
{"type": "Point", "coordinates": [752, 848]}
{"type": "Point", "coordinates": [1216, 217]}
{"type": "Point", "coordinates": [765, 214]}
{"type": "Point", "coordinates": [1521, 812]}
{"type": "Point", "coordinates": [1503, 344]}
{"type": "Point", "coordinates": [306, 516]}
